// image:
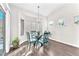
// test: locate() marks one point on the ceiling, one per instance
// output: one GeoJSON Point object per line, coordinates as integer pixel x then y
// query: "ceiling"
{"type": "Point", "coordinates": [44, 10]}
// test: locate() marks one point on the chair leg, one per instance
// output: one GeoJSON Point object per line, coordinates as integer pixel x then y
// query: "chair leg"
{"type": "Point", "coordinates": [29, 46]}
{"type": "Point", "coordinates": [38, 46]}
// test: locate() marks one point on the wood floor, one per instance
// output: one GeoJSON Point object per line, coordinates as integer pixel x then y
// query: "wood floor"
{"type": "Point", "coordinates": [55, 49]}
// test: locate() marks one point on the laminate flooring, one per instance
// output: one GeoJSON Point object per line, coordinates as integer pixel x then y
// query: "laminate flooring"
{"type": "Point", "coordinates": [54, 48]}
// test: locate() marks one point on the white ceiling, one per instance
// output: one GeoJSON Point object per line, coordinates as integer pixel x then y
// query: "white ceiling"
{"type": "Point", "coordinates": [44, 10]}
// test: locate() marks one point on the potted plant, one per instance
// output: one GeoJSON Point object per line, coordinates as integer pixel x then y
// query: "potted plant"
{"type": "Point", "coordinates": [15, 43]}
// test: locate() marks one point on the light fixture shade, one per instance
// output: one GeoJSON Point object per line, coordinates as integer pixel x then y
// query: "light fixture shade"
{"type": "Point", "coordinates": [51, 22]}
{"type": "Point", "coordinates": [61, 21]}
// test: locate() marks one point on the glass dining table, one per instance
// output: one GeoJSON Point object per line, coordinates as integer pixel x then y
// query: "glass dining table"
{"type": "Point", "coordinates": [36, 39]}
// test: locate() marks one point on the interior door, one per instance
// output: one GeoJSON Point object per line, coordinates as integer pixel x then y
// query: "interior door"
{"type": "Point", "coordinates": [2, 31]}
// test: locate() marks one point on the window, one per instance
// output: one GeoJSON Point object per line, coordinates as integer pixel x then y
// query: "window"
{"type": "Point", "coordinates": [22, 27]}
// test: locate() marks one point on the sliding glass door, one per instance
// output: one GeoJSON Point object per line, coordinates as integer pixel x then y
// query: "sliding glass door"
{"type": "Point", "coordinates": [2, 31]}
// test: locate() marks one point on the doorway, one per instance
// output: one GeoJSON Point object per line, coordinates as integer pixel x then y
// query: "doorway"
{"type": "Point", "coordinates": [2, 31]}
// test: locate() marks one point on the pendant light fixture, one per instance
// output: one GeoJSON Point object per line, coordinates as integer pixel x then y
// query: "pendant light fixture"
{"type": "Point", "coordinates": [38, 18]}
{"type": "Point", "coordinates": [47, 24]}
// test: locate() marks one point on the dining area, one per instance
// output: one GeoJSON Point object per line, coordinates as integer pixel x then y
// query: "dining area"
{"type": "Point", "coordinates": [36, 40]}
{"type": "Point", "coordinates": [32, 34]}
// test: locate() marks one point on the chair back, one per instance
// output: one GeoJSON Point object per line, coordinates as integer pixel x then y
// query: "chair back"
{"type": "Point", "coordinates": [28, 36]}
{"type": "Point", "coordinates": [33, 35]}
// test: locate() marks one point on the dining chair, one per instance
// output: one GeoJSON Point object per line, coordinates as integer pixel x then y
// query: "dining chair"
{"type": "Point", "coordinates": [46, 37]}
{"type": "Point", "coordinates": [28, 40]}
{"type": "Point", "coordinates": [33, 38]}
{"type": "Point", "coordinates": [43, 39]}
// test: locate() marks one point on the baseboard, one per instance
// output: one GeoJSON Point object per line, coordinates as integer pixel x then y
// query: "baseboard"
{"type": "Point", "coordinates": [73, 45]}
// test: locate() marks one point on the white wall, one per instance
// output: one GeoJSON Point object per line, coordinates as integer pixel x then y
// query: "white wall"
{"type": "Point", "coordinates": [44, 24]}
{"type": "Point", "coordinates": [69, 33]}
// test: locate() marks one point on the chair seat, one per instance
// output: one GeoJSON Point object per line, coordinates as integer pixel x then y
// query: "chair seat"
{"type": "Point", "coordinates": [32, 41]}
